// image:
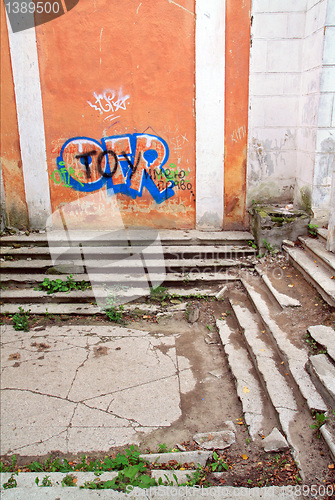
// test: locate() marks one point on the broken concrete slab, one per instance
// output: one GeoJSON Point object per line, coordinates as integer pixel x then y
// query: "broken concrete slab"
{"type": "Point", "coordinates": [275, 441]}
{"type": "Point", "coordinates": [221, 293]}
{"type": "Point", "coordinates": [120, 385]}
{"type": "Point", "coordinates": [325, 336]}
{"type": "Point", "coordinates": [187, 457]}
{"type": "Point", "coordinates": [193, 315]}
{"type": "Point", "coordinates": [323, 374]}
{"type": "Point", "coordinates": [216, 440]}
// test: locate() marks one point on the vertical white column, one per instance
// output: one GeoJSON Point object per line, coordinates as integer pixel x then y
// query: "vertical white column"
{"type": "Point", "coordinates": [28, 97]}
{"type": "Point", "coordinates": [210, 88]}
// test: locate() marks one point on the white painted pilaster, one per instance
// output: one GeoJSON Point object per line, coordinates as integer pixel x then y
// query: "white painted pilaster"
{"type": "Point", "coordinates": [30, 119]}
{"type": "Point", "coordinates": [210, 88]}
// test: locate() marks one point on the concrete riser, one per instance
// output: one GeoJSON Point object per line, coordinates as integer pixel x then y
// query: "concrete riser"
{"type": "Point", "coordinates": [320, 387]}
{"type": "Point", "coordinates": [314, 283]}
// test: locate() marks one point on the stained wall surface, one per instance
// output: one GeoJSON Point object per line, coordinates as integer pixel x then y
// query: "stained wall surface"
{"type": "Point", "coordinates": [11, 164]}
{"type": "Point", "coordinates": [115, 85]}
{"type": "Point", "coordinates": [117, 82]}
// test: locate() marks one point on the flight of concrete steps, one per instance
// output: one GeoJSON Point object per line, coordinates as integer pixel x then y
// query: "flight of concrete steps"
{"type": "Point", "coordinates": [278, 383]}
{"type": "Point", "coordinates": [316, 264]}
{"type": "Point", "coordinates": [191, 258]}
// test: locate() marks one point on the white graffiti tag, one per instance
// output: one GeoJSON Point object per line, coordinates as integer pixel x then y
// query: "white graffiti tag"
{"type": "Point", "coordinates": [110, 102]}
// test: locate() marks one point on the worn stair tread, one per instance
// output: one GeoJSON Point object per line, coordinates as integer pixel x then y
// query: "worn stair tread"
{"type": "Point", "coordinates": [73, 308]}
{"type": "Point", "coordinates": [315, 274]}
{"type": "Point", "coordinates": [192, 236]}
{"type": "Point", "coordinates": [96, 251]}
{"type": "Point", "coordinates": [316, 247]}
{"type": "Point", "coordinates": [296, 358]}
{"type": "Point", "coordinates": [325, 336]}
{"type": "Point", "coordinates": [247, 384]}
{"type": "Point", "coordinates": [277, 387]}
{"type": "Point", "coordinates": [121, 264]}
{"type": "Point", "coordinates": [323, 233]}
{"type": "Point", "coordinates": [282, 299]}
{"type": "Point", "coordinates": [101, 278]}
{"type": "Point", "coordinates": [323, 371]}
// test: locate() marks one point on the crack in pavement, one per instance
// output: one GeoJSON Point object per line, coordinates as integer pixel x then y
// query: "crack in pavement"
{"type": "Point", "coordinates": [76, 372]}
{"type": "Point", "coordinates": [127, 388]}
{"type": "Point", "coordinates": [67, 438]}
{"type": "Point", "coordinates": [39, 442]}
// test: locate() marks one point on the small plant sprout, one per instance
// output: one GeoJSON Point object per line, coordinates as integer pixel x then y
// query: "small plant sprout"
{"type": "Point", "coordinates": [218, 464]}
{"type": "Point", "coordinates": [271, 249]}
{"type": "Point", "coordinates": [252, 244]}
{"type": "Point", "coordinates": [46, 482]}
{"type": "Point", "coordinates": [312, 230]}
{"type": "Point", "coordinates": [320, 420]}
{"type": "Point", "coordinates": [159, 293]}
{"type": "Point", "coordinates": [11, 483]}
{"type": "Point", "coordinates": [69, 480]}
{"type": "Point", "coordinates": [162, 448]}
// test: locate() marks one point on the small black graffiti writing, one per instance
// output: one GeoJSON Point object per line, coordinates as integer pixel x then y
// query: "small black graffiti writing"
{"type": "Point", "coordinates": [178, 184]}
{"type": "Point", "coordinates": [86, 157]}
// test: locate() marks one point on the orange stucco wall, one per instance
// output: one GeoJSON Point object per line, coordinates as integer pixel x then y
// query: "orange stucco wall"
{"type": "Point", "coordinates": [236, 111]}
{"type": "Point", "coordinates": [11, 164]}
{"type": "Point", "coordinates": [111, 68]}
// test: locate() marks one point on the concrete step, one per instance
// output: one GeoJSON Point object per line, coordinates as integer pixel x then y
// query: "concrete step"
{"type": "Point", "coordinates": [257, 414]}
{"type": "Point", "coordinates": [170, 252]}
{"type": "Point", "coordinates": [317, 249]}
{"type": "Point", "coordinates": [26, 488]}
{"type": "Point", "coordinates": [33, 296]}
{"type": "Point", "coordinates": [50, 308]}
{"type": "Point", "coordinates": [118, 266]}
{"type": "Point", "coordinates": [322, 372]}
{"type": "Point", "coordinates": [315, 274]}
{"type": "Point", "coordinates": [294, 358]}
{"type": "Point", "coordinates": [98, 238]}
{"type": "Point", "coordinates": [268, 366]}
{"type": "Point", "coordinates": [322, 233]}
{"type": "Point", "coordinates": [283, 300]}
{"type": "Point", "coordinates": [325, 336]}
{"type": "Point", "coordinates": [174, 279]}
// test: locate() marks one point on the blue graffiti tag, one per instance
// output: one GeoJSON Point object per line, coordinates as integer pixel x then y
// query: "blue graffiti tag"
{"type": "Point", "coordinates": [121, 163]}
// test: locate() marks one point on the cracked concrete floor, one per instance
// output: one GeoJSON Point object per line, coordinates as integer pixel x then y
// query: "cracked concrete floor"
{"type": "Point", "coordinates": [87, 388]}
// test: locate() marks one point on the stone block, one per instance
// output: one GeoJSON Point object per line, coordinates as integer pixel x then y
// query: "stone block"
{"type": "Point", "coordinates": [274, 223]}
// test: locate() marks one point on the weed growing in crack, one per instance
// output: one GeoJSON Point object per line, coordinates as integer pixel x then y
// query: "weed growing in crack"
{"type": "Point", "coordinates": [59, 285]}
{"type": "Point", "coordinates": [271, 249]}
{"type": "Point", "coordinates": [252, 244]}
{"type": "Point", "coordinates": [218, 463]}
{"type": "Point", "coordinates": [312, 230]}
{"type": "Point", "coordinates": [69, 480]}
{"type": "Point", "coordinates": [159, 293]}
{"type": "Point", "coordinates": [115, 314]}
{"type": "Point", "coordinates": [46, 481]}
{"type": "Point", "coordinates": [313, 345]}
{"type": "Point", "coordinates": [20, 320]}
{"type": "Point", "coordinates": [162, 448]}
{"type": "Point", "coordinates": [11, 483]}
